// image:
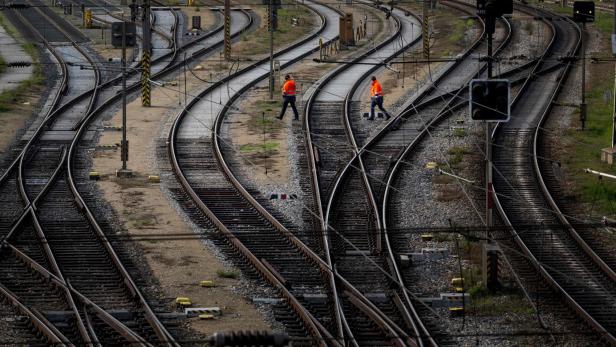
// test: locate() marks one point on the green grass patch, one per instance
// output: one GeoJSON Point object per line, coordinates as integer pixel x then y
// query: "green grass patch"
{"type": "Point", "coordinates": [228, 273]}
{"type": "Point", "coordinates": [456, 155]}
{"type": "Point", "coordinates": [490, 305]}
{"type": "Point", "coordinates": [459, 132]}
{"type": "Point", "coordinates": [460, 28]}
{"type": "Point", "coordinates": [267, 147]}
{"type": "Point", "coordinates": [10, 98]}
{"type": "Point", "coordinates": [142, 221]}
{"type": "Point", "coordinates": [8, 27]}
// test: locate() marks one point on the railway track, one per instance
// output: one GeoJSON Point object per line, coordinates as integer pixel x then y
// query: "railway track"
{"type": "Point", "coordinates": [256, 239]}
{"type": "Point", "coordinates": [52, 231]}
{"type": "Point", "coordinates": [395, 180]}
{"type": "Point", "coordinates": [88, 266]}
{"type": "Point", "coordinates": [217, 194]}
{"type": "Point", "coordinates": [351, 214]}
{"type": "Point", "coordinates": [325, 130]}
{"type": "Point", "coordinates": [568, 264]}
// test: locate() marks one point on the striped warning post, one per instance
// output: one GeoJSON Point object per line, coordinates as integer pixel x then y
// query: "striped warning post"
{"type": "Point", "coordinates": [426, 36]}
{"type": "Point", "coordinates": [227, 27]}
{"type": "Point", "coordinates": [145, 79]}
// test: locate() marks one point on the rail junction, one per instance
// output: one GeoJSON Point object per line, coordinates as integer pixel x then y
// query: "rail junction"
{"type": "Point", "coordinates": [381, 237]}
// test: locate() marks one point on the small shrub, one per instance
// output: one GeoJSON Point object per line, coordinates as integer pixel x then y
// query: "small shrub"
{"type": "Point", "coordinates": [226, 273]}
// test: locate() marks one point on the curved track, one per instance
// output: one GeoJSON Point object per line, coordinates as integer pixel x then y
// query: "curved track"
{"type": "Point", "coordinates": [87, 276]}
{"type": "Point", "coordinates": [323, 131]}
{"type": "Point", "coordinates": [584, 281]}
{"type": "Point", "coordinates": [352, 214]}
{"type": "Point", "coordinates": [293, 268]}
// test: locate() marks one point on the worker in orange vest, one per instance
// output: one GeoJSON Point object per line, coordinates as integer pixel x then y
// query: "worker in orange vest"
{"type": "Point", "coordinates": [376, 98]}
{"type": "Point", "coordinates": [288, 96]}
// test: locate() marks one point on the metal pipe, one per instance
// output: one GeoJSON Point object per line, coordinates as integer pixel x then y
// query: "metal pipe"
{"type": "Point", "coordinates": [124, 144]}
{"type": "Point", "coordinates": [600, 174]}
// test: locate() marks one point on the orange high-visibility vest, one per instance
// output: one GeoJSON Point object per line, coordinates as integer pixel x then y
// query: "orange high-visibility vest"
{"type": "Point", "coordinates": [288, 88]}
{"type": "Point", "coordinates": [375, 89]}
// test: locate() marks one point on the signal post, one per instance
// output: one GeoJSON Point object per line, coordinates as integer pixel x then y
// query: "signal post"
{"type": "Point", "coordinates": [489, 102]}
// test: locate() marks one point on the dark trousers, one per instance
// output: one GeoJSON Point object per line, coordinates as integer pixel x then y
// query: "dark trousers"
{"type": "Point", "coordinates": [288, 99]}
{"type": "Point", "coordinates": [377, 101]}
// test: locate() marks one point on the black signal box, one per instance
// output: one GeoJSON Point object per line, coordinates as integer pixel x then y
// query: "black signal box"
{"type": "Point", "coordinates": [494, 8]}
{"type": "Point", "coordinates": [584, 11]}
{"type": "Point", "coordinates": [116, 34]}
{"type": "Point", "coordinates": [489, 100]}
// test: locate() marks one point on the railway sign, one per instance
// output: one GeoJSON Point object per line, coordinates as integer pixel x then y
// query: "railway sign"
{"type": "Point", "coordinates": [494, 8]}
{"type": "Point", "coordinates": [489, 100]}
{"type": "Point", "coordinates": [584, 11]}
{"type": "Point", "coordinates": [116, 34]}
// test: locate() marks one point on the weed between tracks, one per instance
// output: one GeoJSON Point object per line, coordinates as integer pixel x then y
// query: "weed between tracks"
{"type": "Point", "coordinates": [9, 99]}
{"type": "Point", "coordinates": [228, 273]}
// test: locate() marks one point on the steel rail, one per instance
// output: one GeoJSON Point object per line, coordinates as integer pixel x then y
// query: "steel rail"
{"type": "Point", "coordinates": [275, 222]}
{"type": "Point", "coordinates": [41, 324]}
{"type": "Point", "coordinates": [446, 111]}
{"type": "Point", "coordinates": [411, 317]}
{"type": "Point", "coordinates": [312, 323]}
{"type": "Point", "coordinates": [149, 314]}
{"type": "Point", "coordinates": [414, 323]}
{"type": "Point", "coordinates": [280, 228]}
{"type": "Point", "coordinates": [160, 330]}
{"type": "Point", "coordinates": [89, 107]}
{"type": "Point", "coordinates": [156, 325]}
{"type": "Point", "coordinates": [326, 241]}
{"type": "Point", "coordinates": [62, 284]}
{"type": "Point", "coordinates": [47, 329]}
{"type": "Point", "coordinates": [57, 97]}
{"type": "Point", "coordinates": [606, 335]}
{"type": "Point", "coordinates": [357, 157]}
{"type": "Point", "coordinates": [315, 181]}
{"type": "Point", "coordinates": [53, 113]}
{"type": "Point", "coordinates": [609, 272]}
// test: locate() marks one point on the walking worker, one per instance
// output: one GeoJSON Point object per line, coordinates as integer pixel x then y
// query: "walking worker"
{"type": "Point", "coordinates": [288, 96]}
{"type": "Point", "coordinates": [376, 98]}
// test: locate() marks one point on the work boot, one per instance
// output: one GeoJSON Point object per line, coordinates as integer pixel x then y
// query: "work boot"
{"type": "Point", "coordinates": [280, 117]}
{"type": "Point", "coordinates": [387, 116]}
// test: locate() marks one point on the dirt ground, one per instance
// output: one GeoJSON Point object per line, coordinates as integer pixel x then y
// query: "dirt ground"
{"type": "Point", "coordinates": [179, 265]}
{"type": "Point", "coordinates": [14, 120]}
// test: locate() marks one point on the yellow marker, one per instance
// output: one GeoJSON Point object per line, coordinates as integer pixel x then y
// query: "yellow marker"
{"type": "Point", "coordinates": [185, 303]}
{"type": "Point", "coordinates": [456, 311]}
{"type": "Point", "coordinates": [94, 175]}
{"type": "Point", "coordinates": [153, 179]}
{"type": "Point", "coordinates": [431, 165]}
{"type": "Point", "coordinates": [206, 283]}
{"type": "Point", "coordinates": [457, 281]}
{"type": "Point", "coordinates": [87, 19]}
{"type": "Point", "coordinates": [427, 237]}
{"type": "Point", "coordinates": [180, 299]}
{"type": "Point", "coordinates": [459, 289]}
{"type": "Point", "coordinates": [206, 316]}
